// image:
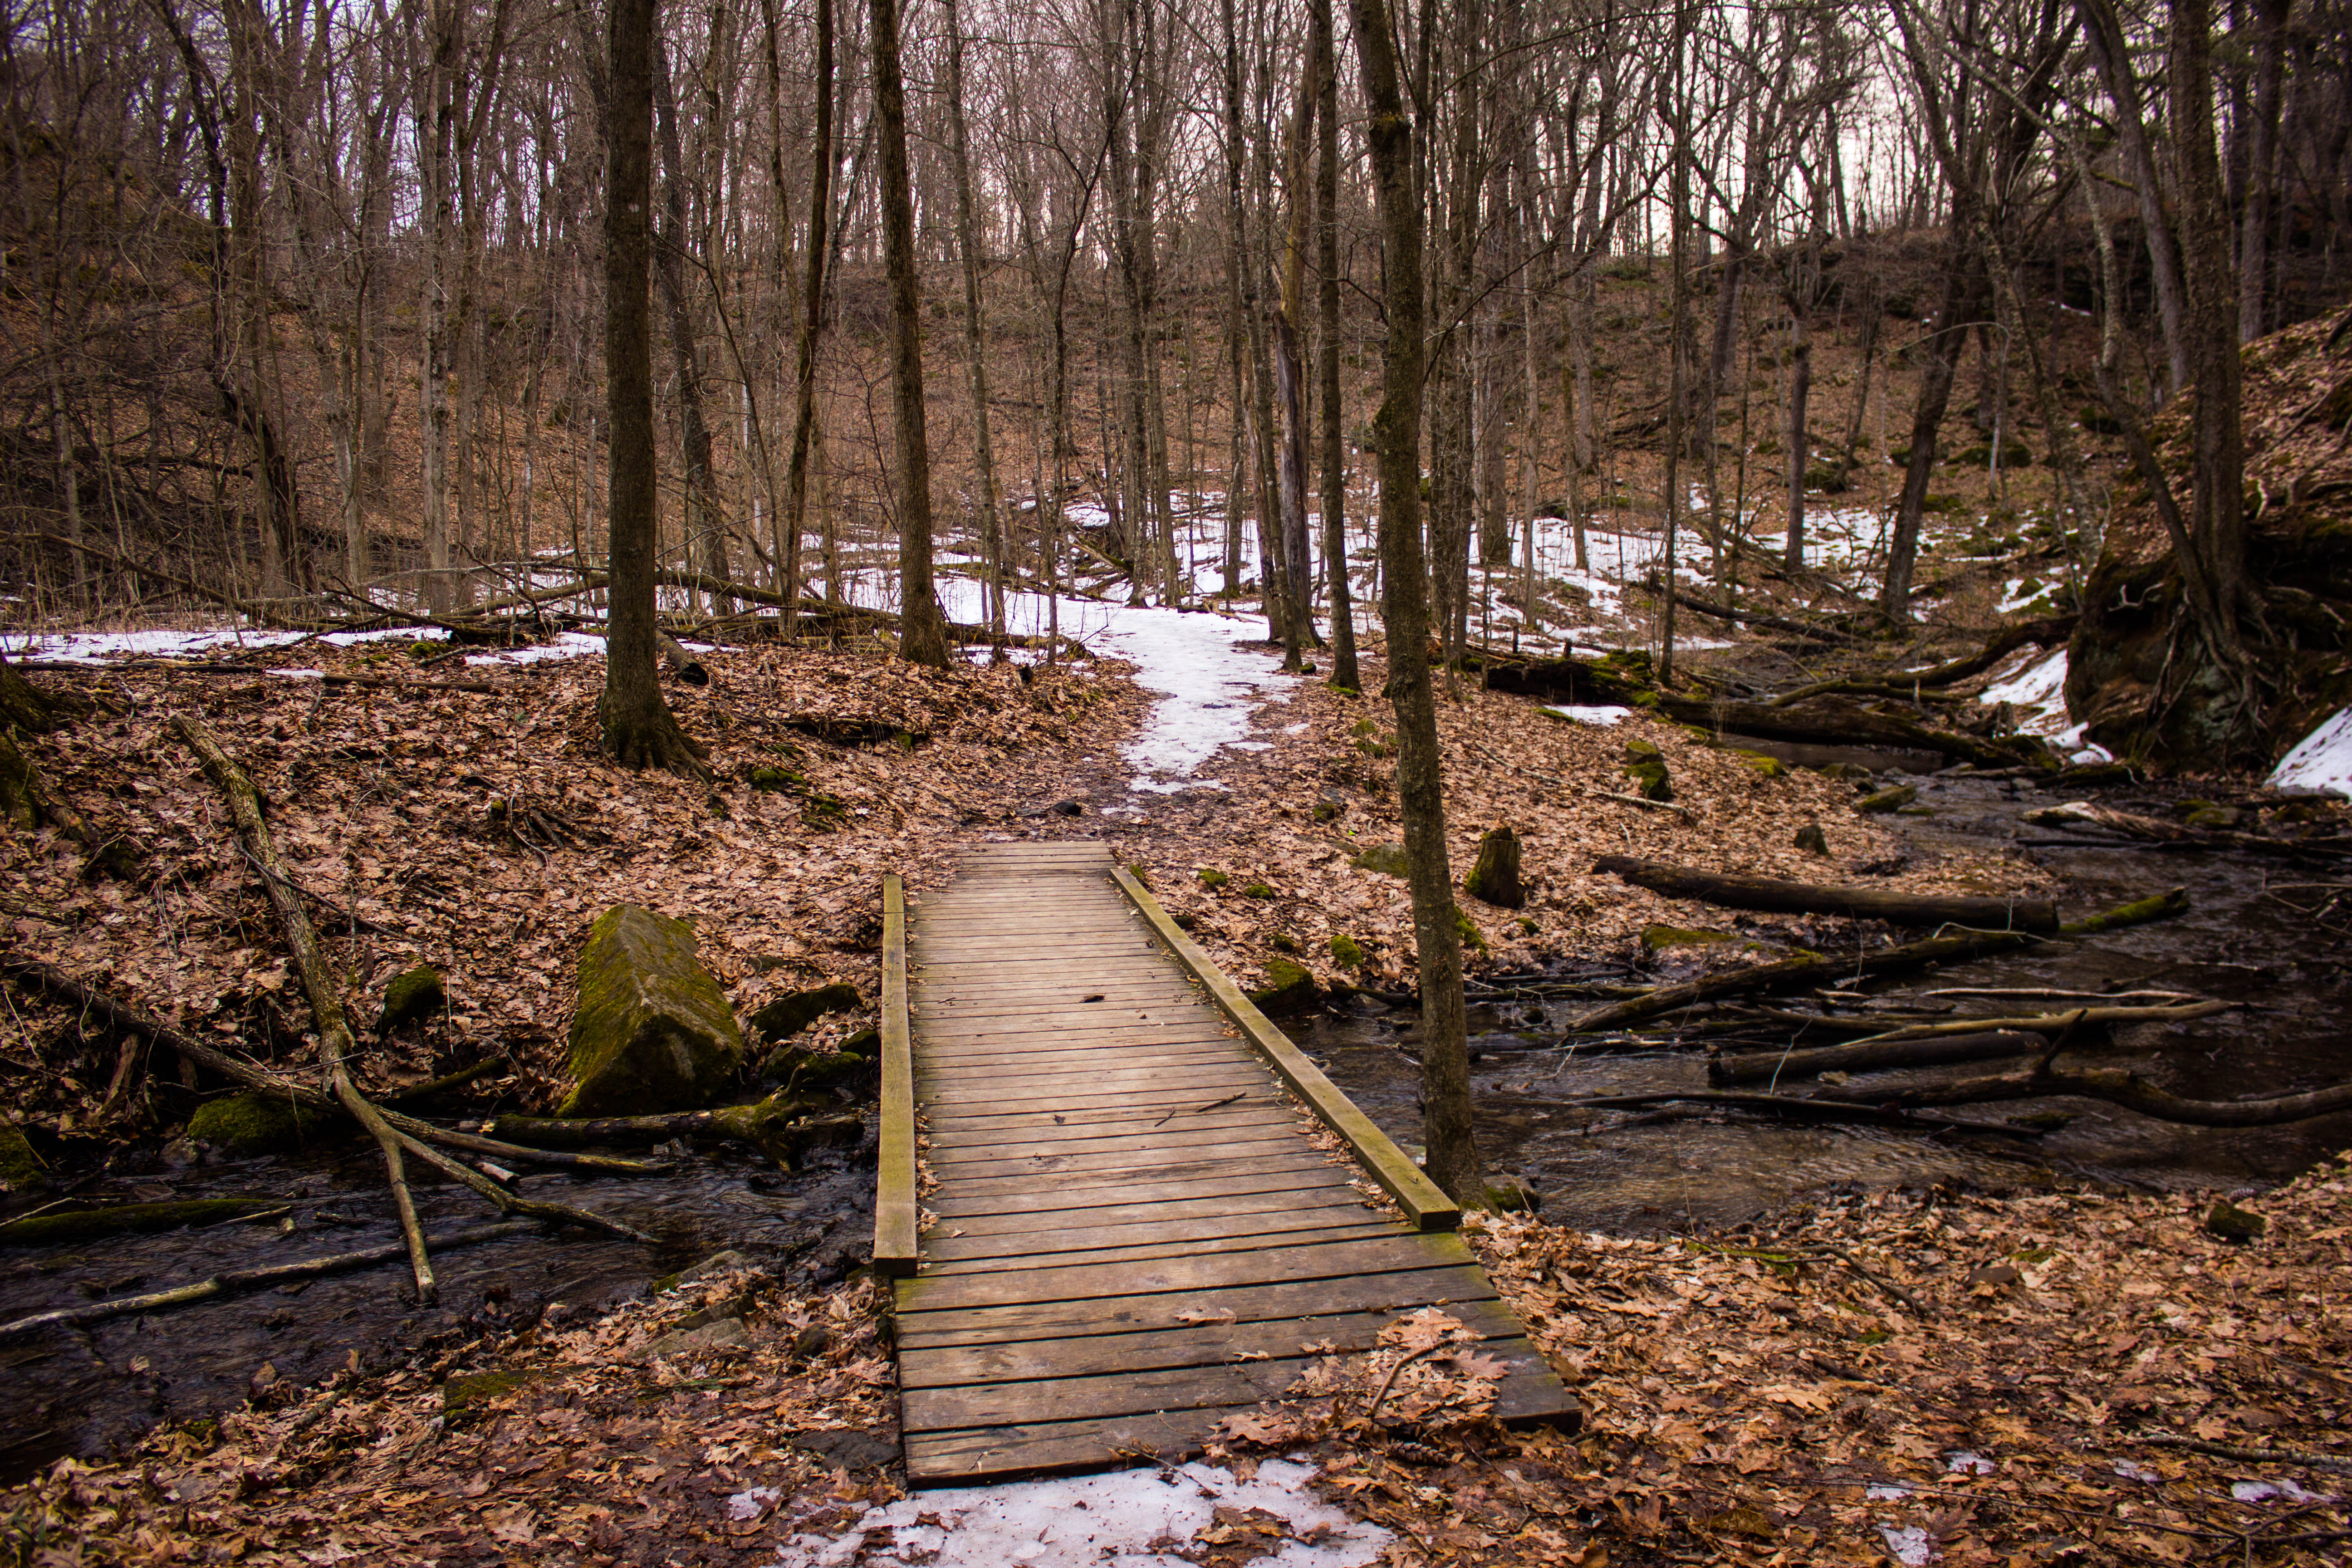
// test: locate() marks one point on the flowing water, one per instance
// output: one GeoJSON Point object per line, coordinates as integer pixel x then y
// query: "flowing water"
{"type": "Point", "coordinates": [84, 1391]}
{"type": "Point", "coordinates": [1633, 1171]}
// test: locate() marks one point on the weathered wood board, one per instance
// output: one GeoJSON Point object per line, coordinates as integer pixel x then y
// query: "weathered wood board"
{"type": "Point", "coordinates": [1131, 1234]}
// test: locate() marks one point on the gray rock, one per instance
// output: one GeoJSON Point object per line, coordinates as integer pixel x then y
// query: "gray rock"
{"type": "Point", "coordinates": [788, 1015]}
{"type": "Point", "coordinates": [727, 1262]}
{"type": "Point", "coordinates": [654, 1032]}
{"type": "Point", "coordinates": [1387, 859]}
{"type": "Point", "coordinates": [726, 1337]}
{"type": "Point", "coordinates": [414, 994]}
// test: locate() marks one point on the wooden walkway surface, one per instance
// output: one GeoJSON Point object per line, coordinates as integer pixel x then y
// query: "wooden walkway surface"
{"type": "Point", "coordinates": [1125, 1203]}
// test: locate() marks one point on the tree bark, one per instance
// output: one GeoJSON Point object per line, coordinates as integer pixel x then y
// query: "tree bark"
{"type": "Point", "coordinates": [788, 545]}
{"type": "Point", "coordinates": [636, 726]}
{"type": "Point", "coordinates": [1453, 1159]}
{"type": "Point", "coordinates": [922, 628]}
{"type": "Point", "coordinates": [1344, 673]}
{"type": "Point", "coordinates": [1873, 1056]}
{"type": "Point", "coordinates": [991, 542]}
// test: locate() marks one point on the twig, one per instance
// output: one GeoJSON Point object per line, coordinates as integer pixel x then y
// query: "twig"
{"type": "Point", "coordinates": [1196, 1110]}
{"type": "Point", "coordinates": [1388, 1382]}
{"type": "Point", "coordinates": [242, 1279]}
{"type": "Point", "coordinates": [2340, 1463]}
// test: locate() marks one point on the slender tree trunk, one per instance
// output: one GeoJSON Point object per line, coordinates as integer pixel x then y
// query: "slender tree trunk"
{"type": "Point", "coordinates": [922, 629]}
{"type": "Point", "coordinates": [811, 322]}
{"type": "Point", "coordinates": [637, 727]}
{"type": "Point", "coordinates": [992, 543]}
{"type": "Point", "coordinates": [705, 524]}
{"type": "Point", "coordinates": [1335, 452]}
{"type": "Point", "coordinates": [1943, 348]}
{"type": "Point", "coordinates": [1800, 387]}
{"type": "Point", "coordinates": [1452, 1158]}
{"type": "Point", "coordinates": [2102, 30]}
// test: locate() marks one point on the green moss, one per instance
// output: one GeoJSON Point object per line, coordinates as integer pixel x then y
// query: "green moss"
{"type": "Point", "coordinates": [1467, 930]}
{"type": "Point", "coordinates": [1211, 878]}
{"type": "Point", "coordinates": [1812, 839]}
{"type": "Point", "coordinates": [1650, 780]}
{"type": "Point", "coordinates": [1389, 860]}
{"type": "Point", "coordinates": [1289, 987]}
{"type": "Point", "coordinates": [1325, 810]}
{"type": "Point", "coordinates": [1526, 927]}
{"type": "Point", "coordinates": [823, 814]}
{"type": "Point", "coordinates": [127, 1219]}
{"type": "Point", "coordinates": [414, 994]}
{"type": "Point", "coordinates": [1258, 890]}
{"type": "Point", "coordinates": [1345, 951]}
{"type": "Point", "coordinates": [1363, 729]}
{"type": "Point", "coordinates": [1142, 874]}
{"type": "Point", "coordinates": [2231, 1222]}
{"type": "Point", "coordinates": [2217, 817]}
{"type": "Point", "coordinates": [777, 781]}
{"type": "Point", "coordinates": [1886, 800]}
{"type": "Point", "coordinates": [1658, 938]}
{"type": "Point", "coordinates": [1762, 765]}
{"type": "Point", "coordinates": [652, 1031]}
{"type": "Point", "coordinates": [246, 1125]}
{"type": "Point", "coordinates": [21, 1170]}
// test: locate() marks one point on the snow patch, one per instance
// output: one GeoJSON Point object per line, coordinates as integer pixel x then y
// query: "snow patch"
{"type": "Point", "coordinates": [2038, 691]}
{"type": "Point", "coordinates": [2321, 762]}
{"type": "Point", "coordinates": [1129, 1519]}
{"type": "Point", "coordinates": [1909, 1545]}
{"type": "Point", "coordinates": [1589, 715]}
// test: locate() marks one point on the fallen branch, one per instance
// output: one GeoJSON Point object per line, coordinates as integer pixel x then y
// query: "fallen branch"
{"type": "Point", "coordinates": [1833, 722]}
{"type": "Point", "coordinates": [1876, 1057]}
{"type": "Point", "coordinates": [778, 1127]}
{"type": "Point", "coordinates": [2115, 1087]}
{"type": "Point", "coordinates": [120, 1015]}
{"type": "Point", "coordinates": [2340, 1463]}
{"type": "Point", "coordinates": [2156, 830]}
{"type": "Point", "coordinates": [1859, 903]}
{"type": "Point", "coordinates": [1794, 971]}
{"type": "Point", "coordinates": [335, 1041]}
{"type": "Point", "coordinates": [1814, 1110]}
{"type": "Point", "coordinates": [247, 1278]}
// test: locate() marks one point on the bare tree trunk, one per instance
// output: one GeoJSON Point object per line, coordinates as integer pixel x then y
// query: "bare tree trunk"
{"type": "Point", "coordinates": [1800, 387]}
{"type": "Point", "coordinates": [992, 543]}
{"type": "Point", "coordinates": [638, 730]}
{"type": "Point", "coordinates": [788, 545]}
{"type": "Point", "coordinates": [922, 629]}
{"type": "Point", "coordinates": [1452, 1159]}
{"type": "Point", "coordinates": [705, 522]}
{"type": "Point", "coordinates": [1335, 452]}
{"type": "Point", "coordinates": [2102, 30]}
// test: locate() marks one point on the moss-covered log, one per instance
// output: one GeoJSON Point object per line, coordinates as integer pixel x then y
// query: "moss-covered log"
{"type": "Point", "coordinates": [779, 1127]}
{"type": "Point", "coordinates": [1807, 899]}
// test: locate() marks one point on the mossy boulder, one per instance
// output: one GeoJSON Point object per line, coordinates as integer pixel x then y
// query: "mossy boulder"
{"type": "Point", "coordinates": [1761, 765]}
{"type": "Point", "coordinates": [1812, 839]}
{"type": "Point", "coordinates": [414, 994]}
{"type": "Point", "coordinates": [1389, 860]}
{"type": "Point", "coordinates": [1646, 766]}
{"type": "Point", "coordinates": [1346, 951]}
{"type": "Point", "coordinates": [1259, 891]}
{"type": "Point", "coordinates": [1888, 800]}
{"type": "Point", "coordinates": [21, 1170]}
{"type": "Point", "coordinates": [467, 1393]}
{"type": "Point", "coordinates": [2227, 1221]}
{"type": "Point", "coordinates": [653, 1032]}
{"type": "Point", "coordinates": [2215, 817]}
{"type": "Point", "coordinates": [1467, 930]}
{"type": "Point", "coordinates": [788, 1015]}
{"type": "Point", "coordinates": [1288, 987]}
{"type": "Point", "coordinates": [1213, 877]}
{"type": "Point", "coordinates": [248, 1125]}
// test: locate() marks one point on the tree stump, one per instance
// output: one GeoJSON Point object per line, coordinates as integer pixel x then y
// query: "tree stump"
{"type": "Point", "coordinates": [1495, 879]}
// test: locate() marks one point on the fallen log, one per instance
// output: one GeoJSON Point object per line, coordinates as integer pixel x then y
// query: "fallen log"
{"type": "Point", "coordinates": [1876, 1056]}
{"type": "Point", "coordinates": [2040, 633]}
{"type": "Point", "coordinates": [1824, 634]}
{"type": "Point", "coordinates": [1829, 722]}
{"type": "Point", "coordinates": [1860, 903]}
{"type": "Point", "coordinates": [2115, 1086]}
{"type": "Point", "coordinates": [118, 1013]}
{"type": "Point", "coordinates": [57, 1229]}
{"type": "Point", "coordinates": [2156, 831]}
{"type": "Point", "coordinates": [1811, 1109]}
{"type": "Point", "coordinates": [246, 1280]}
{"type": "Point", "coordinates": [780, 1128]}
{"type": "Point", "coordinates": [1810, 967]}
{"type": "Point", "coordinates": [2055, 1023]}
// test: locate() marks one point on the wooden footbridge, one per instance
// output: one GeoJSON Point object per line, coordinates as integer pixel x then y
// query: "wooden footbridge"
{"type": "Point", "coordinates": [1130, 1235]}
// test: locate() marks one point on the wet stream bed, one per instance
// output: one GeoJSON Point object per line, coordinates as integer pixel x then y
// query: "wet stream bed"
{"type": "Point", "coordinates": [86, 1391]}
{"type": "Point", "coordinates": [1620, 1170]}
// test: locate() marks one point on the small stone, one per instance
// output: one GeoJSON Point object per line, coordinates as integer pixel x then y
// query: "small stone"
{"type": "Point", "coordinates": [21, 1170]}
{"type": "Point", "coordinates": [1288, 987]}
{"type": "Point", "coordinates": [726, 1337]}
{"type": "Point", "coordinates": [812, 1342]}
{"type": "Point", "coordinates": [1389, 860]}
{"type": "Point", "coordinates": [1762, 765]}
{"type": "Point", "coordinates": [1888, 800]}
{"type": "Point", "coordinates": [727, 1262]}
{"type": "Point", "coordinates": [1511, 1195]}
{"type": "Point", "coordinates": [247, 1125]}
{"type": "Point", "coordinates": [2227, 1221]}
{"type": "Point", "coordinates": [412, 994]}
{"type": "Point", "coordinates": [1812, 840]}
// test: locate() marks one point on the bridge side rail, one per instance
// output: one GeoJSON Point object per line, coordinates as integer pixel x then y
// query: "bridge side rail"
{"type": "Point", "coordinates": [1424, 1204]}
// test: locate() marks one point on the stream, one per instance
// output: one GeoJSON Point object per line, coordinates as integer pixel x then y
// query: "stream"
{"type": "Point", "coordinates": [87, 1391]}
{"type": "Point", "coordinates": [1617, 1171]}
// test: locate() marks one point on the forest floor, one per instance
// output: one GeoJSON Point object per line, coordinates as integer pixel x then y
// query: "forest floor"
{"type": "Point", "coordinates": [1908, 1377]}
